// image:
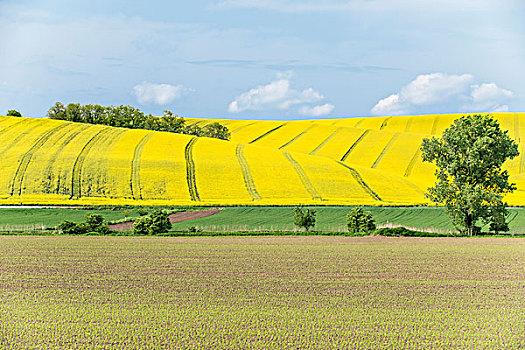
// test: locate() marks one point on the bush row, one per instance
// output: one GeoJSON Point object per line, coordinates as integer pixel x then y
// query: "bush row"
{"type": "Point", "coordinates": [133, 118]}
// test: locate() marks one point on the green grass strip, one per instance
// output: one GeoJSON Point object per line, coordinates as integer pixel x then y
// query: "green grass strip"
{"type": "Point", "coordinates": [304, 178]}
{"type": "Point", "coordinates": [248, 179]}
{"type": "Point", "coordinates": [134, 181]}
{"type": "Point", "coordinates": [190, 170]}
{"type": "Point", "coordinates": [297, 137]}
{"type": "Point", "coordinates": [76, 177]}
{"type": "Point", "coordinates": [325, 141]}
{"type": "Point", "coordinates": [359, 139]}
{"type": "Point", "coordinates": [267, 133]}
{"type": "Point", "coordinates": [18, 178]}
{"type": "Point", "coordinates": [387, 147]}
{"type": "Point", "coordinates": [361, 182]}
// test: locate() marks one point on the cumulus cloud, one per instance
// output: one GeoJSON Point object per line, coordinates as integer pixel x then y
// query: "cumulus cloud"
{"type": "Point", "coordinates": [317, 111]}
{"type": "Point", "coordinates": [279, 95]}
{"type": "Point", "coordinates": [489, 97]}
{"type": "Point", "coordinates": [440, 92]}
{"type": "Point", "coordinates": [159, 94]}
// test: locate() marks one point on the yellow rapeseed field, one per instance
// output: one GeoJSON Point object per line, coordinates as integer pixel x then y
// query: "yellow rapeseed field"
{"type": "Point", "coordinates": [366, 161]}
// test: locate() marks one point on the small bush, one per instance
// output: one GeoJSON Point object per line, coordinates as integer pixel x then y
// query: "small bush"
{"type": "Point", "coordinates": [72, 228]}
{"type": "Point", "coordinates": [304, 218]}
{"type": "Point", "coordinates": [403, 231]}
{"type": "Point", "coordinates": [142, 212]}
{"type": "Point", "coordinates": [359, 220]}
{"type": "Point", "coordinates": [13, 113]}
{"type": "Point", "coordinates": [142, 226]}
{"type": "Point", "coordinates": [95, 223]}
{"type": "Point", "coordinates": [157, 222]}
{"type": "Point", "coordinates": [193, 229]}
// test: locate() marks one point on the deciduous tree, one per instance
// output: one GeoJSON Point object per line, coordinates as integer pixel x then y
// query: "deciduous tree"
{"type": "Point", "coordinates": [470, 181]}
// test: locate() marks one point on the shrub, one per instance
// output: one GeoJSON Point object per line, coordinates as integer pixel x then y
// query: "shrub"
{"type": "Point", "coordinates": [359, 220]}
{"type": "Point", "coordinates": [157, 222]}
{"type": "Point", "coordinates": [13, 113]}
{"type": "Point", "coordinates": [71, 228]}
{"type": "Point", "coordinates": [142, 226]}
{"type": "Point", "coordinates": [304, 218]}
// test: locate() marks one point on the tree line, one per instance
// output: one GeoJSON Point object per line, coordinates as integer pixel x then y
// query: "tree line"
{"type": "Point", "coordinates": [133, 118]}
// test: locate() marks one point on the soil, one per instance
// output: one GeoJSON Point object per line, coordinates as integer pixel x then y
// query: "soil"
{"type": "Point", "coordinates": [175, 217]}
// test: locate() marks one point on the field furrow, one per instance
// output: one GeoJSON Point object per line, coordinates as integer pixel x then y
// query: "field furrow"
{"type": "Point", "coordinates": [356, 142]}
{"type": "Point", "coordinates": [18, 178]}
{"type": "Point", "coordinates": [76, 177]}
{"type": "Point", "coordinates": [355, 174]}
{"type": "Point", "coordinates": [267, 133]}
{"type": "Point", "coordinates": [325, 141]}
{"type": "Point", "coordinates": [246, 174]}
{"type": "Point", "coordinates": [296, 137]}
{"type": "Point", "coordinates": [304, 178]}
{"type": "Point", "coordinates": [190, 170]}
{"type": "Point", "coordinates": [134, 182]}
{"type": "Point", "coordinates": [51, 169]}
{"type": "Point", "coordinates": [387, 147]}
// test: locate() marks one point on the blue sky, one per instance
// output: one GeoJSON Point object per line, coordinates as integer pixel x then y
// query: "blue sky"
{"type": "Point", "coordinates": [265, 59]}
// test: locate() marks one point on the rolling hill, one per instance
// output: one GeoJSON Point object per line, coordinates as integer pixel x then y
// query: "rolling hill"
{"type": "Point", "coordinates": [365, 161]}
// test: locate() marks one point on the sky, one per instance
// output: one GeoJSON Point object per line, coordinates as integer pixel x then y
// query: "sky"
{"type": "Point", "coordinates": [264, 59]}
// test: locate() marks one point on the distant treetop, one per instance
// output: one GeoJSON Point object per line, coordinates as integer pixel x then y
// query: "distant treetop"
{"type": "Point", "coordinates": [14, 113]}
{"type": "Point", "coordinates": [133, 118]}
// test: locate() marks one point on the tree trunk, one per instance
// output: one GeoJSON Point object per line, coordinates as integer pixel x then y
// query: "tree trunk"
{"type": "Point", "coordinates": [469, 224]}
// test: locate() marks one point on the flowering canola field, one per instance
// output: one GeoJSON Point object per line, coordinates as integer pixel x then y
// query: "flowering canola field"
{"type": "Point", "coordinates": [352, 161]}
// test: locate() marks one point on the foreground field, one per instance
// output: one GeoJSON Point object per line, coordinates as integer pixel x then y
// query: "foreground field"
{"type": "Point", "coordinates": [294, 292]}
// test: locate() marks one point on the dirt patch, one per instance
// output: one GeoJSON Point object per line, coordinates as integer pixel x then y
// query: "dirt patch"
{"type": "Point", "coordinates": [175, 217]}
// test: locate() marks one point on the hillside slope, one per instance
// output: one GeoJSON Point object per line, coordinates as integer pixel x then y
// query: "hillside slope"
{"type": "Point", "coordinates": [369, 161]}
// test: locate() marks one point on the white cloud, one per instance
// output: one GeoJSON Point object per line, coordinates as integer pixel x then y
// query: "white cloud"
{"type": "Point", "coordinates": [389, 105]}
{"type": "Point", "coordinates": [159, 94]}
{"type": "Point", "coordinates": [317, 111]}
{"type": "Point", "coordinates": [433, 88]}
{"type": "Point", "coordinates": [489, 96]}
{"type": "Point", "coordinates": [440, 92]}
{"type": "Point", "coordinates": [276, 95]}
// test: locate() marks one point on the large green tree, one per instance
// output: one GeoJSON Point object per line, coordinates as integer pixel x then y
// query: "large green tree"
{"type": "Point", "coordinates": [470, 181]}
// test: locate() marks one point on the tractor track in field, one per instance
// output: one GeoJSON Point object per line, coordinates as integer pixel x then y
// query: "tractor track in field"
{"type": "Point", "coordinates": [76, 176]}
{"type": "Point", "coordinates": [134, 181]}
{"type": "Point", "coordinates": [412, 162]}
{"type": "Point", "coordinates": [174, 218]}
{"type": "Point", "coordinates": [303, 177]}
{"type": "Point", "coordinates": [52, 160]}
{"type": "Point", "coordinates": [267, 133]}
{"type": "Point", "coordinates": [361, 182]}
{"type": "Point", "coordinates": [325, 141]}
{"type": "Point", "coordinates": [246, 174]}
{"type": "Point", "coordinates": [296, 137]}
{"type": "Point", "coordinates": [190, 170]}
{"type": "Point", "coordinates": [385, 149]}
{"type": "Point", "coordinates": [23, 164]}
{"type": "Point", "coordinates": [359, 139]}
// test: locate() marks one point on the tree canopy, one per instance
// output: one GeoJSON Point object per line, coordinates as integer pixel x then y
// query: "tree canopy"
{"type": "Point", "coordinates": [13, 113]}
{"type": "Point", "coordinates": [304, 218]}
{"type": "Point", "coordinates": [470, 181]}
{"type": "Point", "coordinates": [133, 118]}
